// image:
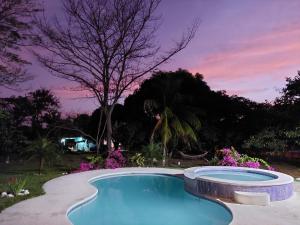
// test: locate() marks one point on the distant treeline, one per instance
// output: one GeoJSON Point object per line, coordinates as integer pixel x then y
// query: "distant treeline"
{"type": "Point", "coordinates": [176, 96]}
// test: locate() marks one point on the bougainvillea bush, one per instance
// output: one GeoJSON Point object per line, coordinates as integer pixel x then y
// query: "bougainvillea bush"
{"type": "Point", "coordinates": [85, 166]}
{"type": "Point", "coordinates": [115, 159]}
{"type": "Point", "coordinates": [93, 163]}
{"type": "Point", "coordinates": [230, 157]}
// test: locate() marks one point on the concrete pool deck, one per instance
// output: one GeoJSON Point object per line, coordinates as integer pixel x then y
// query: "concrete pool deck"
{"type": "Point", "coordinates": [66, 191]}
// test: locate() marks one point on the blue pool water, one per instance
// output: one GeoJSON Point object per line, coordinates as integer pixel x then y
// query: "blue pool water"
{"type": "Point", "coordinates": [147, 200]}
{"type": "Point", "coordinates": [237, 175]}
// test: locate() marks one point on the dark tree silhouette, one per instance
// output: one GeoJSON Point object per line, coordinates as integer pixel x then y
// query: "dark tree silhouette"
{"type": "Point", "coordinates": [15, 25]}
{"type": "Point", "coordinates": [43, 110]}
{"type": "Point", "coordinates": [106, 47]}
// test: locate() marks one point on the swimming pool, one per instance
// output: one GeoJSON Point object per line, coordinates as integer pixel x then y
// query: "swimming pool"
{"type": "Point", "coordinates": [224, 181]}
{"type": "Point", "coordinates": [147, 200]}
{"type": "Point", "coordinates": [237, 175]}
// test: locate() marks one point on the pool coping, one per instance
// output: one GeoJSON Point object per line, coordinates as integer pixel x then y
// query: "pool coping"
{"type": "Point", "coordinates": [66, 191]}
{"type": "Point", "coordinates": [280, 179]}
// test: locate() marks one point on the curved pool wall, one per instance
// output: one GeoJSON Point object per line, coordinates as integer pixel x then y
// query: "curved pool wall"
{"type": "Point", "coordinates": [166, 202]}
{"type": "Point", "coordinates": [279, 188]}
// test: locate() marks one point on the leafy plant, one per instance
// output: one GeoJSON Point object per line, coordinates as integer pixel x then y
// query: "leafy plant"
{"type": "Point", "coordinates": [97, 160]}
{"type": "Point", "coordinates": [15, 185]}
{"type": "Point", "coordinates": [152, 152]}
{"type": "Point", "coordinates": [44, 150]}
{"type": "Point", "coordinates": [214, 161]}
{"type": "Point", "coordinates": [268, 139]}
{"type": "Point", "coordinates": [138, 159]}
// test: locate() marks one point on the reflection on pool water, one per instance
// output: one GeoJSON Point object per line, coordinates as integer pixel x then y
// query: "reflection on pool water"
{"type": "Point", "coordinates": [147, 200]}
{"type": "Point", "coordinates": [237, 175]}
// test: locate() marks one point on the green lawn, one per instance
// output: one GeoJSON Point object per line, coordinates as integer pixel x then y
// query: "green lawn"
{"type": "Point", "coordinates": [29, 170]}
{"type": "Point", "coordinates": [68, 162]}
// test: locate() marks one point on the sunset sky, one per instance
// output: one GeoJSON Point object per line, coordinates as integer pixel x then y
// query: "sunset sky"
{"type": "Point", "coordinates": [245, 47]}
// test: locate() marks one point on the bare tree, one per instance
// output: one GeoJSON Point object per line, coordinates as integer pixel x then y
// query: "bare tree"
{"type": "Point", "coordinates": [15, 24]}
{"type": "Point", "coordinates": [106, 46]}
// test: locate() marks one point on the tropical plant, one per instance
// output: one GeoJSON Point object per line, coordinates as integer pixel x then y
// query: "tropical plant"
{"type": "Point", "coordinates": [152, 151]}
{"type": "Point", "coordinates": [179, 123]}
{"type": "Point", "coordinates": [15, 185]}
{"type": "Point", "coordinates": [44, 150]}
{"type": "Point", "coordinates": [138, 159]}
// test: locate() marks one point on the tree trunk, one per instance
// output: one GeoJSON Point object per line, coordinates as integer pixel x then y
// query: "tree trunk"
{"type": "Point", "coordinates": [108, 113]}
{"type": "Point", "coordinates": [164, 156]}
{"type": "Point", "coordinates": [98, 148]}
{"type": "Point", "coordinates": [41, 165]}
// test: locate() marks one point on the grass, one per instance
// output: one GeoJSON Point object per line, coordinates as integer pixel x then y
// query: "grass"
{"type": "Point", "coordinates": [29, 170]}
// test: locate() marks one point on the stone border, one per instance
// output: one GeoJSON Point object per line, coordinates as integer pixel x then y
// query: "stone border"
{"type": "Point", "coordinates": [64, 192]}
{"type": "Point", "coordinates": [280, 188]}
{"type": "Point", "coordinates": [280, 178]}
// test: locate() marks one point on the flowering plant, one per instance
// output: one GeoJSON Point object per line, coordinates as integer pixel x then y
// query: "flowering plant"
{"type": "Point", "coordinates": [84, 166]}
{"type": "Point", "coordinates": [230, 157]}
{"type": "Point", "coordinates": [115, 159]}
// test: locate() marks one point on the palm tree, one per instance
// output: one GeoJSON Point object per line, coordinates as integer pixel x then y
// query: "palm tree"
{"type": "Point", "coordinates": [44, 150]}
{"type": "Point", "coordinates": [175, 117]}
{"type": "Point", "coordinates": [178, 123]}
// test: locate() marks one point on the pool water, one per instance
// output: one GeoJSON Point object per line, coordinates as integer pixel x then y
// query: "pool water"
{"type": "Point", "coordinates": [147, 200]}
{"type": "Point", "coordinates": [237, 175]}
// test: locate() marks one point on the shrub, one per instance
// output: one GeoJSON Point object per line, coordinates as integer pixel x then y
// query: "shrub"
{"type": "Point", "coordinates": [274, 139]}
{"type": "Point", "coordinates": [230, 157]}
{"type": "Point", "coordinates": [138, 160]}
{"type": "Point", "coordinates": [84, 166]}
{"type": "Point", "coordinates": [15, 185]}
{"type": "Point", "coordinates": [115, 160]}
{"type": "Point", "coordinates": [97, 161]}
{"type": "Point", "coordinates": [152, 152]}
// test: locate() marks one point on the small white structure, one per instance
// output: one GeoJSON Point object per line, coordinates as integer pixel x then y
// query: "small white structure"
{"type": "Point", "coordinates": [252, 198]}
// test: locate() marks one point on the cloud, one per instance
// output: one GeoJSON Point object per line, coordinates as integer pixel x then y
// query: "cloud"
{"type": "Point", "coordinates": [247, 91]}
{"type": "Point", "coordinates": [68, 92]}
{"type": "Point", "coordinates": [254, 57]}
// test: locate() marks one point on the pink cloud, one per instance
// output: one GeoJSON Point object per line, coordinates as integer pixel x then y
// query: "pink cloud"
{"type": "Point", "coordinates": [71, 93]}
{"type": "Point", "coordinates": [246, 91]}
{"type": "Point", "coordinates": [255, 57]}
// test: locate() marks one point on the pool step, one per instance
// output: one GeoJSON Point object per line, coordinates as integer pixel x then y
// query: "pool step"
{"type": "Point", "coordinates": [252, 198]}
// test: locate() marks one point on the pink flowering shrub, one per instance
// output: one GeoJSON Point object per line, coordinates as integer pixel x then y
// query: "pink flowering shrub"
{"type": "Point", "coordinates": [85, 167]}
{"type": "Point", "coordinates": [115, 160]}
{"type": "Point", "coordinates": [228, 160]}
{"type": "Point", "coordinates": [250, 164]}
{"type": "Point", "coordinates": [230, 157]}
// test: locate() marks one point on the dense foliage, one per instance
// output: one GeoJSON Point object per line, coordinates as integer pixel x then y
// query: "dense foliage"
{"type": "Point", "coordinates": [170, 111]}
{"type": "Point", "coordinates": [230, 157]}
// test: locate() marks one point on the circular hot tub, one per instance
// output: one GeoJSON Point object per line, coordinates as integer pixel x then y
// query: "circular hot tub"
{"type": "Point", "coordinates": [223, 181]}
